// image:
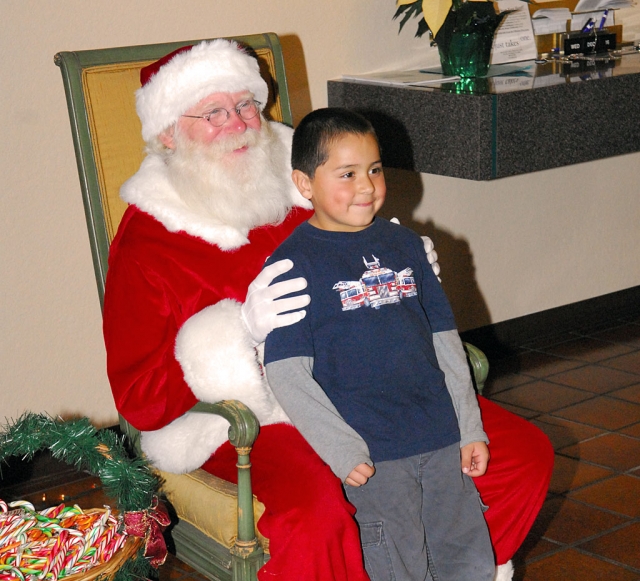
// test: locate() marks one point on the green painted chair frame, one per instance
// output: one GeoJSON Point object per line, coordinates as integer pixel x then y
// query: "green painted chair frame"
{"type": "Point", "coordinates": [242, 561]}
{"type": "Point", "coordinates": [193, 547]}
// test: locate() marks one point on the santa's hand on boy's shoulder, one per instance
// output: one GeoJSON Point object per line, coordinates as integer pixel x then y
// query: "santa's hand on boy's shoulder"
{"type": "Point", "coordinates": [264, 309]}
{"type": "Point", "coordinates": [429, 248]}
{"type": "Point", "coordinates": [474, 458]}
{"type": "Point", "coordinates": [360, 475]}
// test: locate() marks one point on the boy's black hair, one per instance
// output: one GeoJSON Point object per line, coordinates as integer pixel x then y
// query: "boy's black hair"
{"type": "Point", "coordinates": [318, 130]}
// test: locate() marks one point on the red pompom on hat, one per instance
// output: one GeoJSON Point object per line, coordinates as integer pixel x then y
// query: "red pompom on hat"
{"type": "Point", "coordinates": [179, 80]}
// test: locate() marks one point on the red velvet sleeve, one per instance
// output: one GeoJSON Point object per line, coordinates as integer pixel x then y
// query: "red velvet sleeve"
{"type": "Point", "coordinates": [140, 329]}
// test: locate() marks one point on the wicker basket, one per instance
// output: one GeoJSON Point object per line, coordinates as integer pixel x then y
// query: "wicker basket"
{"type": "Point", "coordinates": [107, 571]}
{"type": "Point", "coordinates": [78, 443]}
{"type": "Point", "coordinates": [104, 571]}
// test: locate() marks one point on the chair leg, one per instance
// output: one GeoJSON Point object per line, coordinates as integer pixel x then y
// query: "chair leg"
{"type": "Point", "coordinates": [247, 555]}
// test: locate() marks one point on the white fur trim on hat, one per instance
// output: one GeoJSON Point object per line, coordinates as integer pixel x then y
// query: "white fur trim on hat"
{"type": "Point", "coordinates": [219, 66]}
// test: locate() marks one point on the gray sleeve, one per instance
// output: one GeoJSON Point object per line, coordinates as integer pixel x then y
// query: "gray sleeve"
{"type": "Point", "coordinates": [317, 419]}
{"type": "Point", "coordinates": [453, 362]}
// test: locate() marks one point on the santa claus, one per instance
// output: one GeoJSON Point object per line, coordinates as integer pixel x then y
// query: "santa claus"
{"type": "Point", "coordinates": [187, 307]}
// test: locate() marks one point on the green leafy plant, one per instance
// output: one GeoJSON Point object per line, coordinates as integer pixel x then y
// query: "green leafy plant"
{"type": "Point", "coordinates": [462, 15]}
{"type": "Point", "coordinates": [432, 14]}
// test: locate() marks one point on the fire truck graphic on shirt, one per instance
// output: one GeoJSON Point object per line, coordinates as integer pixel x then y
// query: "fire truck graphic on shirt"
{"type": "Point", "coordinates": [378, 286]}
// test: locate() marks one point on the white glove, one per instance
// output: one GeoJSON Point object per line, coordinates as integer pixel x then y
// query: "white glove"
{"type": "Point", "coordinates": [261, 311]}
{"type": "Point", "coordinates": [429, 248]}
{"type": "Point", "coordinates": [432, 255]}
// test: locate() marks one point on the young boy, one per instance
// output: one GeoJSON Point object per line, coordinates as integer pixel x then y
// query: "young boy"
{"type": "Point", "coordinates": [375, 376]}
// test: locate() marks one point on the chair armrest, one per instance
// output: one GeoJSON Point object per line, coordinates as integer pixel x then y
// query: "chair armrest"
{"type": "Point", "coordinates": [243, 431]}
{"type": "Point", "coordinates": [479, 365]}
{"type": "Point", "coordinates": [244, 427]}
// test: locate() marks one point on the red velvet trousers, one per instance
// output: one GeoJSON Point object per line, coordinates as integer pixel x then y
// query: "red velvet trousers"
{"type": "Point", "coordinates": [517, 479]}
{"type": "Point", "coordinates": [310, 526]}
{"type": "Point", "coordinates": [308, 521]}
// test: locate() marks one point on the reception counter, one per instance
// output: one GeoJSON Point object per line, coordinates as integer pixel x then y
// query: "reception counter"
{"type": "Point", "coordinates": [543, 116]}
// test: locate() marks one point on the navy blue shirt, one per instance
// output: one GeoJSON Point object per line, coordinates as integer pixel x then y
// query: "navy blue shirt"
{"type": "Point", "coordinates": [375, 305]}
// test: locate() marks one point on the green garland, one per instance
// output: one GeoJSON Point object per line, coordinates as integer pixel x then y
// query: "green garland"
{"type": "Point", "coordinates": [102, 453]}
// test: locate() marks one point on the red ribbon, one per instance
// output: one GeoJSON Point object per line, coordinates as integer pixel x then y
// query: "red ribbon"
{"type": "Point", "coordinates": [149, 524]}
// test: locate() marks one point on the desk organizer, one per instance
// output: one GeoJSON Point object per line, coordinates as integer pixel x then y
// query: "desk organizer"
{"type": "Point", "coordinates": [593, 42]}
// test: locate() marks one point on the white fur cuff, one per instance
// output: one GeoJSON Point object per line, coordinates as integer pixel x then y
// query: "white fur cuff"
{"type": "Point", "coordinates": [504, 572]}
{"type": "Point", "coordinates": [216, 354]}
{"type": "Point", "coordinates": [215, 351]}
{"type": "Point", "coordinates": [186, 443]}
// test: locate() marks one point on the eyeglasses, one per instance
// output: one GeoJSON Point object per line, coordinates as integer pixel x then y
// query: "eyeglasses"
{"type": "Point", "coordinates": [217, 117]}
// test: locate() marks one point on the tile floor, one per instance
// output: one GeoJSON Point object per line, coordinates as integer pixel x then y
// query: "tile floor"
{"type": "Point", "coordinates": [583, 390]}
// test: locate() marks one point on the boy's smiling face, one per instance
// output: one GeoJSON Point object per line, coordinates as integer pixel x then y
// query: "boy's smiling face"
{"type": "Point", "coordinates": [349, 188]}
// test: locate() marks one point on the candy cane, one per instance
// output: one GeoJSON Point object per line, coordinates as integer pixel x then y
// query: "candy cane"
{"type": "Point", "coordinates": [22, 504]}
{"type": "Point", "coordinates": [56, 542]}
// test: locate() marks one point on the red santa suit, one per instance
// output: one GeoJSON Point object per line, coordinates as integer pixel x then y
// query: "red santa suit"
{"type": "Point", "coordinates": [174, 335]}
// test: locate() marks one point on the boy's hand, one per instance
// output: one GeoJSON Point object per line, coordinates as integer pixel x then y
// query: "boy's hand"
{"type": "Point", "coordinates": [474, 458]}
{"type": "Point", "coordinates": [360, 475]}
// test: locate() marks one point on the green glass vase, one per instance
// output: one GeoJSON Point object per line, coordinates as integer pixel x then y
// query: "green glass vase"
{"type": "Point", "coordinates": [466, 37]}
{"type": "Point", "coordinates": [467, 54]}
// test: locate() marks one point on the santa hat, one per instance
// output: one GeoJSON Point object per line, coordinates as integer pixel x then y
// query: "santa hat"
{"type": "Point", "coordinates": [181, 79]}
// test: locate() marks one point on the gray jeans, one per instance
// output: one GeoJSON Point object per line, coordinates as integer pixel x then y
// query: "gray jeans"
{"type": "Point", "coordinates": [421, 518]}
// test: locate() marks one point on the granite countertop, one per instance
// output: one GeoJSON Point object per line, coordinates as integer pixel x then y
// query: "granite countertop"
{"type": "Point", "coordinates": [549, 115]}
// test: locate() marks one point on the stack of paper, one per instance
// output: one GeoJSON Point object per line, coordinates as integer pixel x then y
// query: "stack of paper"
{"type": "Point", "coordinates": [601, 5]}
{"type": "Point", "coordinates": [550, 20]}
{"type": "Point", "coordinates": [414, 78]}
{"type": "Point", "coordinates": [514, 40]}
{"type": "Point", "coordinates": [506, 73]}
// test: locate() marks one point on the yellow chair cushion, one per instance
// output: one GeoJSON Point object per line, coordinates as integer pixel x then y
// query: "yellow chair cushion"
{"type": "Point", "coordinates": [190, 493]}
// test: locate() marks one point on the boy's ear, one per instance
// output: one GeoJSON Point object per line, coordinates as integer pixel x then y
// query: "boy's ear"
{"type": "Point", "coordinates": [302, 182]}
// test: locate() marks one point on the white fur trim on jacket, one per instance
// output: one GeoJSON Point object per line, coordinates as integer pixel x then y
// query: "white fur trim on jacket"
{"type": "Point", "coordinates": [504, 572]}
{"type": "Point", "coordinates": [151, 190]}
{"type": "Point", "coordinates": [220, 66]}
{"type": "Point", "coordinates": [215, 352]}
{"type": "Point", "coordinates": [186, 443]}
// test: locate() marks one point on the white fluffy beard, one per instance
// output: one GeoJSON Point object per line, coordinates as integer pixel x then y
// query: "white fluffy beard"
{"type": "Point", "coordinates": [242, 190]}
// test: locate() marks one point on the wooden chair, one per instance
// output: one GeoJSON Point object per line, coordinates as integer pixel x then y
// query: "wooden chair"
{"type": "Point", "coordinates": [215, 532]}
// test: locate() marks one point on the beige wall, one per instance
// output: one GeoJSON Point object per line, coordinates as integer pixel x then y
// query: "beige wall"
{"type": "Point", "coordinates": [513, 246]}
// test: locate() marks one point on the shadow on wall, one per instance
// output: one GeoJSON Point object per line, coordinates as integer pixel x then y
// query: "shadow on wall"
{"type": "Point", "coordinates": [297, 78]}
{"type": "Point", "coordinates": [458, 274]}
{"type": "Point", "coordinates": [404, 194]}
{"type": "Point", "coordinates": [405, 191]}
